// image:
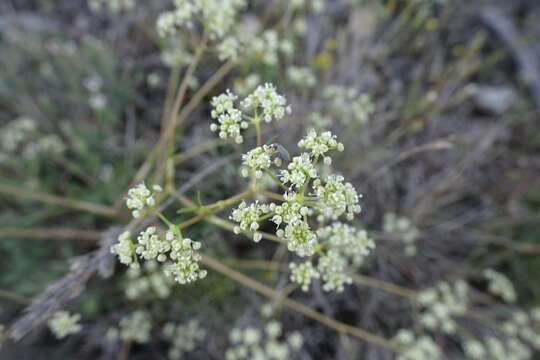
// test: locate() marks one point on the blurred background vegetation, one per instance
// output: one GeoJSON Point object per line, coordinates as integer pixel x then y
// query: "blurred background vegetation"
{"type": "Point", "coordinates": [452, 145]}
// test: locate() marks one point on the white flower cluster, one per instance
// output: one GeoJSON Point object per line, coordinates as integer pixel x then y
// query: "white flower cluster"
{"type": "Point", "coordinates": [94, 84]}
{"type": "Point", "coordinates": [404, 229]}
{"type": "Point", "coordinates": [524, 326]}
{"type": "Point", "coordinates": [332, 267]}
{"type": "Point", "coordinates": [416, 348]}
{"type": "Point", "coordinates": [266, 99]}
{"type": "Point", "coordinates": [140, 197]}
{"type": "Point", "coordinates": [303, 274]}
{"type": "Point", "coordinates": [299, 237]}
{"type": "Point", "coordinates": [151, 245]}
{"type": "Point", "coordinates": [254, 344]}
{"type": "Point", "coordinates": [217, 16]}
{"type": "Point", "coordinates": [249, 216]}
{"type": "Point", "coordinates": [62, 324]}
{"type": "Point", "coordinates": [267, 46]}
{"type": "Point", "coordinates": [264, 48]}
{"type": "Point", "coordinates": [301, 77]}
{"type": "Point", "coordinates": [347, 104]}
{"type": "Point", "coordinates": [514, 340]}
{"type": "Point", "coordinates": [352, 243]}
{"type": "Point", "coordinates": [299, 171]}
{"type": "Point", "coordinates": [183, 338]}
{"type": "Point", "coordinates": [229, 118]}
{"type": "Point", "coordinates": [125, 249]}
{"type": "Point", "coordinates": [175, 53]}
{"type": "Point", "coordinates": [21, 136]}
{"type": "Point", "coordinates": [113, 6]}
{"type": "Point", "coordinates": [497, 349]}
{"type": "Point", "coordinates": [347, 246]}
{"type": "Point", "coordinates": [265, 103]}
{"type": "Point", "coordinates": [136, 327]}
{"type": "Point", "coordinates": [181, 252]}
{"type": "Point", "coordinates": [500, 285]}
{"type": "Point", "coordinates": [148, 281]}
{"type": "Point", "coordinates": [16, 132]}
{"type": "Point", "coordinates": [48, 145]}
{"type": "Point", "coordinates": [291, 211]}
{"type": "Point", "coordinates": [185, 259]}
{"type": "Point", "coordinates": [336, 198]}
{"type": "Point", "coordinates": [243, 86]}
{"type": "Point", "coordinates": [228, 48]}
{"type": "Point", "coordinates": [441, 303]}
{"type": "Point", "coordinates": [258, 160]}
{"type": "Point", "coordinates": [306, 194]}
{"type": "Point", "coordinates": [320, 144]}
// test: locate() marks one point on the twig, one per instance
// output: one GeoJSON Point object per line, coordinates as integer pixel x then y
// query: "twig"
{"type": "Point", "coordinates": [184, 113]}
{"type": "Point", "coordinates": [97, 209]}
{"type": "Point", "coordinates": [296, 306]}
{"type": "Point", "coordinates": [383, 285]}
{"type": "Point", "coordinates": [11, 296]}
{"type": "Point", "coordinates": [125, 350]}
{"type": "Point", "coordinates": [68, 287]}
{"type": "Point", "coordinates": [51, 233]}
{"type": "Point", "coordinates": [522, 52]}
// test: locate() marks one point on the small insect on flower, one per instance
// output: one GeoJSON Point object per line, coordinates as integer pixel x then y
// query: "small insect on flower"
{"type": "Point", "coordinates": [283, 153]}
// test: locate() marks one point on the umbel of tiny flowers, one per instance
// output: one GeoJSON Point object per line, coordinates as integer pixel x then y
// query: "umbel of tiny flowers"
{"type": "Point", "coordinates": [229, 118]}
{"type": "Point", "coordinates": [347, 104]}
{"type": "Point", "coordinates": [148, 280]}
{"type": "Point", "coordinates": [332, 267]}
{"type": "Point", "coordinates": [253, 343]}
{"type": "Point", "coordinates": [303, 274]}
{"type": "Point", "coordinates": [350, 242]}
{"type": "Point", "coordinates": [416, 347]}
{"type": "Point", "coordinates": [500, 285]}
{"type": "Point", "coordinates": [249, 216]}
{"type": "Point", "coordinates": [185, 259]}
{"type": "Point", "coordinates": [344, 245]}
{"type": "Point", "coordinates": [299, 170]}
{"type": "Point", "coordinates": [183, 337]}
{"type": "Point", "coordinates": [125, 249]}
{"type": "Point", "coordinates": [336, 198]}
{"type": "Point", "coordinates": [443, 302]}
{"type": "Point", "coordinates": [263, 104]}
{"type": "Point", "coordinates": [62, 324]}
{"type": "Point", "coordinates": [404, 229]}
{"type": "Point", "coordinates": [321, 144]}
{"type": "Point", "coordinates": [140, 197]}
{"type": "Point", "coordinates": [180, 253]}
{"type": "Point", "coordinates": [258, 160]}
{"type": "Point", "coordinates": [216, 16]}
{"type": "Point", "coordinates": [136, 327]}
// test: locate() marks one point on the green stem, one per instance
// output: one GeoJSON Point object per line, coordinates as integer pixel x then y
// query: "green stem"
{"type": "Point", "coordinates": [271, 195]}
{"type": "Point", "coordinates": [258, 130]}
{"type": "Point", "coordinates": [210, 209]}
{"type": "Point", "coordinates": [164, 219]}
{"type": "Point", "coordinates": [276, 180]}
{"type": "Point", "coordinates": [267, 216]}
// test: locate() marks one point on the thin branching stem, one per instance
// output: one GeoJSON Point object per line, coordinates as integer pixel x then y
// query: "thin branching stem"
{"type": "Point", "coordinates": [11, 296]}
{"type": "Point", "coordinates": [50, 233]}
{"type": "Point", "coordinates": [299, 307]}
{"type": "Point", "coordinates": [184, 113]}
{"type": "Point", "coordinates": [97, 209]}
